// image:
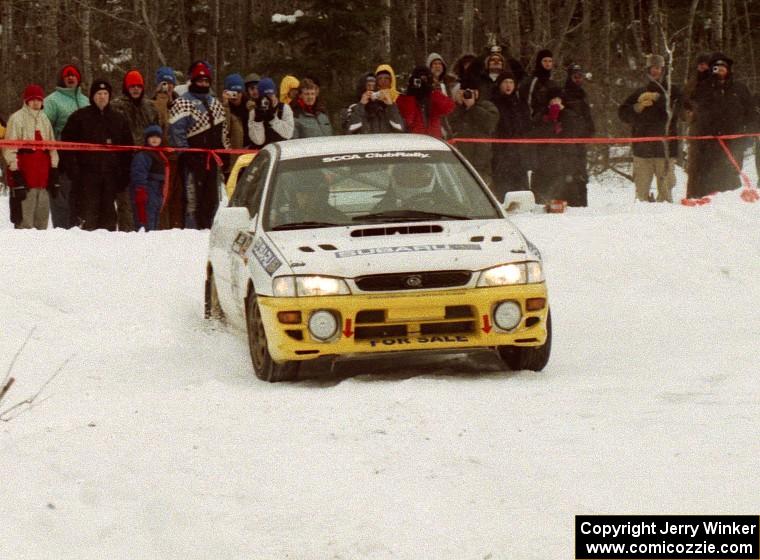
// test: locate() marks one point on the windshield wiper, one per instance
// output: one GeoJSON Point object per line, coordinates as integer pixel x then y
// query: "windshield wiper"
{"type": "Point", "coordinates": [304, 225]}
{"type": "Point", "coordinates": [409, 216]}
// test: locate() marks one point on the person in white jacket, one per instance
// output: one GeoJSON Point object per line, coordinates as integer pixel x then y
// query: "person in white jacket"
{"type": "Point", "coordinates": [268, 119]}
{"type": "Point", "coordinates": [33, 171]}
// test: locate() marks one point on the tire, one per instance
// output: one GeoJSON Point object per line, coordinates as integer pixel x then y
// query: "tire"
{"type": "Point", "coordinates": [264, 366]}
{"type": "Point", "coordinates": [212, 309]}
{"type": "Point", "coordinates": [533, 358]}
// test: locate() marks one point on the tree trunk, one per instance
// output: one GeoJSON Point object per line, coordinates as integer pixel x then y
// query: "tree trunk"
{"type": "Point", "coordinates": [425, 22]}
{"type": "Point", "coordinates": [152, 32]}
{"type": "Point", "coordinates": [564, 24]}
{"type": "Point", "coordinates": [717, 24]}
{"type": "Point", "coordinates": [85, 18]}
{"type": "Point", "coordinates": [214, 42]}
{"type": "Point", "coordinates": [385, 53]}
{"type": "Point", "coordinates": [690, 40]}
{"type": "Point", "coordinates": [751, 45]}
{"type": "Point", "coordinates": [586, 37]}
{"type": "Point", "coordinates": [468, 9]}
{"type": "Point", "coordinates": [513, 28]}
{"type": "Point", "coordinates": [6, 57]}
{"type": "Point", "coordinates": [50, 40]}
{"type": "Point", "coordinates": [635, 24]}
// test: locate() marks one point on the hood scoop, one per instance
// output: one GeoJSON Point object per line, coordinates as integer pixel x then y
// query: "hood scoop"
{"type": "Point", "coordinates": [397, 230]}
{"type": "Point", "coordinates": [323, 246]}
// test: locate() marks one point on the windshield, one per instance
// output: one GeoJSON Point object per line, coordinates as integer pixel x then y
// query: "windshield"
{"type": "Point", "coordinates": [374, 187]}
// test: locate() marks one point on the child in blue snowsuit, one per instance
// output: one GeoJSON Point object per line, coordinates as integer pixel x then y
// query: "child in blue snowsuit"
{"type": "Point", "coordinates": [147, 181]}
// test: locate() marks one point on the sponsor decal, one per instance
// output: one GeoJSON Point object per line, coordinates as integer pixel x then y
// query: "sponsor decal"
{"type": "Point", "coordinates": [242, 243]}
{"type": "Point", "coordinates": [408, 249]}
{"type": "Point", "coordinates": [375, 155]}
{"type": "Point", "coordinates": [266, 257]}
{"type": "Point", "coordinates": [401, 341]}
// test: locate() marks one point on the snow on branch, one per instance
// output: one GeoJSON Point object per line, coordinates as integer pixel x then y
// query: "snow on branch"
{"type": "Point", "coordinates": [291, 18]}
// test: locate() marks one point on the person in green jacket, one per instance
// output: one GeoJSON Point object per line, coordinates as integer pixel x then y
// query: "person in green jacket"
{"type": "Point", "coordinates": [58, 107]}
{"type": "Point", "coordinates": [309, 114]}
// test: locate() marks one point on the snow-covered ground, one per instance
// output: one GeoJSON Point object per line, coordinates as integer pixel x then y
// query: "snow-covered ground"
{"type": "Point", "coordinates": [155, 440]}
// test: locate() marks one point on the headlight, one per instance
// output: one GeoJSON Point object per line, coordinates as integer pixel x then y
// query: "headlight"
{"type": "Point", "coordinates": [305, 286]}
{"type": "Point", "coordinates": [511, 274]}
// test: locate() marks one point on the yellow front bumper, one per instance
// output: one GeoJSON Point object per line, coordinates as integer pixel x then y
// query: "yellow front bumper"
{"type": "Point", "coordinates": [385, 322]}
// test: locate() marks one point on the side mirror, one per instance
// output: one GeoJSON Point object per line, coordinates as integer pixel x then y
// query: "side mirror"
{"type": "Point", "coordinates": [516, 202]}
{"type": "Point", "coordinates": [233, 218]}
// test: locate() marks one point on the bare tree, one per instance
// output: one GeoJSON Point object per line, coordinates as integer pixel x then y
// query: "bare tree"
{"type": "Point", "coordinates": [86, 13]}
{"type": "Point", "coordinates": [717, 24]}
{"type": "Point", "coordinates": [468, 12]}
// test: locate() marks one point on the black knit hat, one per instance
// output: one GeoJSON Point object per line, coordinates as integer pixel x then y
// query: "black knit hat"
{"type": "Point", "coordinates": [544, 53]}
{"type": "Point", "coordinates": [720, 59]}
{"type": "Point", "coordinates": [100, 85]}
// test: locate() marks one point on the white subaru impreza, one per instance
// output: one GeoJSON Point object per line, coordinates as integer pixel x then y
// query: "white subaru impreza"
{"type": "Point", "coordinates": [365, 244]}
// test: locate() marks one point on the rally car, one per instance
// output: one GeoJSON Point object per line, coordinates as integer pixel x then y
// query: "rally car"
{"type": "Point", "coordinates": [365, 244]}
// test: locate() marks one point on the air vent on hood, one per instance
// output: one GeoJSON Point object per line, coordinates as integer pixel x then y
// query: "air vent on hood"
{"type": "Point", "coordinates": [328, 247]}
{"type": "Point", "coordinates": [306, 249]}
{"type": "Point", "coordinates": [394, 230]}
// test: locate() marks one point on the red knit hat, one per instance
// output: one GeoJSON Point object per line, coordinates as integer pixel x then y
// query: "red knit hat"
{"type": "Point", "coordinates": [133, 78]}
{"type": "Point", "coordinates": [71, 70]}
{"type": "Point", "coordinates": [200, 69]}
{"type": "Point", "coordinates": [33, 91]}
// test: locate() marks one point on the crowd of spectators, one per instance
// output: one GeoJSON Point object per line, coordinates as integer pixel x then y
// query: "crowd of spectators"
{"type": "Point", "coordinates": [488, 96]}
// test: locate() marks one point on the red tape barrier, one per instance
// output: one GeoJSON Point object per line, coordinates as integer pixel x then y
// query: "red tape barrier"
{"type": "Point", "coordinates": [750, 194]}
{"type": "Point", "coordinates": [162, 151]}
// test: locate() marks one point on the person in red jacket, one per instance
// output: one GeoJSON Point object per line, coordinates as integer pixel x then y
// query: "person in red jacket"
{"type": "Point", "coordinates": [423, 107]}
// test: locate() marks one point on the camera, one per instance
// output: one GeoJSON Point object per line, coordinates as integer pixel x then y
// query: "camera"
{"type": "Point", "coordinates": [467, 94]}
{"type": "Point", "coordinates": [264, 104]}
{"type": "Point", "coordinates": [376, 95]}
{"type": "Point", "coordinates": [417, 82]}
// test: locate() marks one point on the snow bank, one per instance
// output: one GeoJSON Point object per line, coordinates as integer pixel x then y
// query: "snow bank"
{"type": "Point", "coordinates": [156, 440]}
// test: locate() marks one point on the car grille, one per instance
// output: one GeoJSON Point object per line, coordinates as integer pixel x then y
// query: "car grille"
{"type": "Point", "coordinates": [453, 320]}
{"type": "Point", "coordinates": [413, 281]}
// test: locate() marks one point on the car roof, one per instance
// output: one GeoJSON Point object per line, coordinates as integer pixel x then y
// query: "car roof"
{"type": "Point", "coordinates": [359, 144]}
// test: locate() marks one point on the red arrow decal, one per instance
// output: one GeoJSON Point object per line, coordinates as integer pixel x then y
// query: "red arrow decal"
{"type": "Point", "coordinates": [347, 332]}
{"type": "Point", "coordinates": [487, 328]}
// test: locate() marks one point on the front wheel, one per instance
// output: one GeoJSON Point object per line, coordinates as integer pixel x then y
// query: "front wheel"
{"type": "Point", "coordinates": [533, 358]}
{"type": "Point", "coordinates": [264, 366]}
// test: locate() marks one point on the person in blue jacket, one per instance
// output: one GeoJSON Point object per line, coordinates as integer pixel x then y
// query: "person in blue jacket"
{"type": "Point", "coordinates": [147, 181]}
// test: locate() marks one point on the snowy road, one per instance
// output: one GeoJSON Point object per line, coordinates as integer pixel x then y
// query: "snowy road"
{"type": "Point", "coordinates": [156, 440]}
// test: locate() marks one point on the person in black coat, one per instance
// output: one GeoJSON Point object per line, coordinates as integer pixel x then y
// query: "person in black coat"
{"type": "Point", "coordinates": [509, 170]}
{"type": "Point", "coordinates": [552, 174]}
{"type": "Point", "coordinates": [100, 175]}
{"type": "Point", "coordinates": [723, 106]}
{"type": "Point", "coordinates": [577, 123]}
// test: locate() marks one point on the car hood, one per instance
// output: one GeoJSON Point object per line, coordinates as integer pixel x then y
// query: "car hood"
{"type": "Point", "coordinates": [388, 248]}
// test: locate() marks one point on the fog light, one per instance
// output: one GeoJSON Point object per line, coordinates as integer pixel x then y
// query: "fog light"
{"type": "Point", "coordinates": [323, 325]}
{"type": "Point", "coordinates": [507, 315]}
{"type": "Point", "coordinates": [289, 317]}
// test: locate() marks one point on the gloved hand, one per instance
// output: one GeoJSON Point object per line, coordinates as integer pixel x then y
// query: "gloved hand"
{"type": "Point", "coordinates": [19, 189]}
{"type": "Point", "coordinates": [54, 183]}
{"type": "Point", "coordinates": [554, 111]}
{"type": "Point", "coordinates": [141, 204]}
{"type": "Point", "coordinates": [648, 96]}
{"type": "Point", "coordinates": [263, 115]}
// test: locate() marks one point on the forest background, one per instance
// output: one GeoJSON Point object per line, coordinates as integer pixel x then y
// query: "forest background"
{"type": "Point", "coordinates": [337, 41]}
